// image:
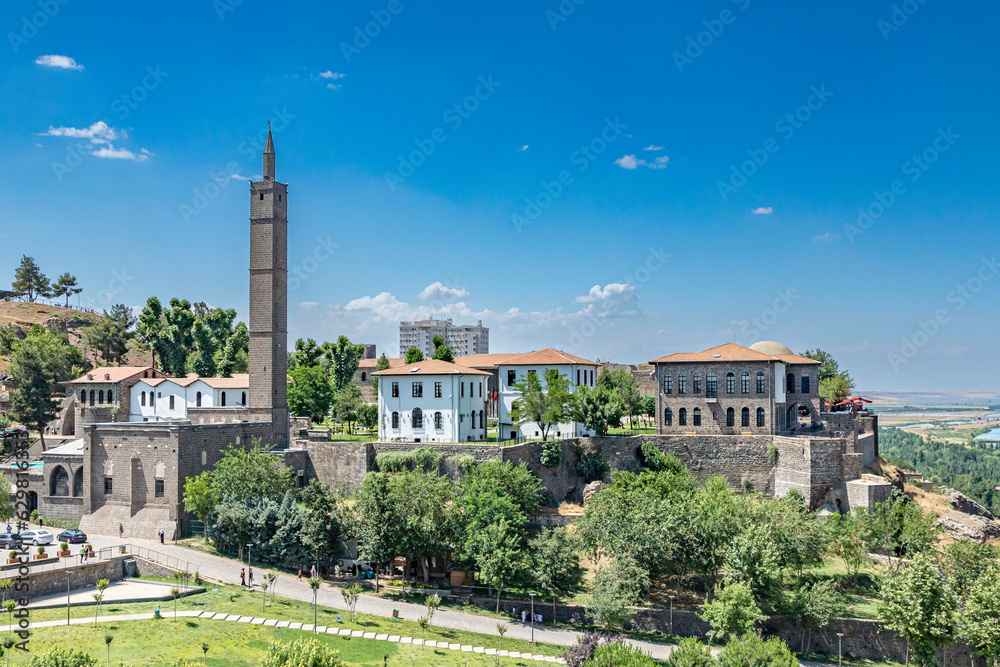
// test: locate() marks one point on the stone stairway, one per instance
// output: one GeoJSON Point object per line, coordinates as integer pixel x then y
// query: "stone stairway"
{"type": "Point", "coordinates": [145, 524]}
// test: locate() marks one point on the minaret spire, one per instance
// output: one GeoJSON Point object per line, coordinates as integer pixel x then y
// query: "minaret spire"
{"type": "Point", "coordinates": [269, 155]}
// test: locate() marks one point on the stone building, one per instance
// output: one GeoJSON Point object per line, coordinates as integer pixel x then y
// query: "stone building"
{"type": "Point", "coordinates": [103, 395]}
{"type": "Point", "coordinates": [464, 340]}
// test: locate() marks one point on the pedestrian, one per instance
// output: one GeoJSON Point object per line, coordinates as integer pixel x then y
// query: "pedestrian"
{"type": "Point", "coordinates": [9, 529]}
{"type": "Point", "coordinates": [524, 616]}
{"type": "Point", "coordinates": [161, 536]}
{"type": "Point", "coordinates": [243, 578]}
{"type": "Point", "coordinates": [250, 578]}
{"type": "Point", "coordinates": [312, 572]}
{"type": "Point", "coordinates": [299, 578]}
{"type": "Point", "coordinates": [121, 531]}
{"type": "Point", "coordinates": [41, 521]}
{"type": "Point", "coordinates": [83, 554]}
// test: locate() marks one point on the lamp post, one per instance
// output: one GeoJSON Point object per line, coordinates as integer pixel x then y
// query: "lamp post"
{"type": "Point", "coordinates": [671, 596]}
{"type": "Point", "coordinates": [249, 552]}
{"type": "Point", "coordinates": [67, 597]}
{"type": "Point", "coordinates": [840, 649]}
{"type": "Point", "coordinates": [532, 595]}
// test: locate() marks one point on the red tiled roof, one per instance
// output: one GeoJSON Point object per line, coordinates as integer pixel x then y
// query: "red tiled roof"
{"type": "Point", "coordinates": [238, 381]}
{"type": "Point", "coordinates": [486, 360]}
{"type": "Point", "coordinates": [547, 357]}
{"type": "Point", "coordinates": [430, 367]}
{"type": "Point", "coordinates": [727, 353]}
{"type": "Point", "coordinates": [111, 374]}
{"type": "Point", "coordinates": [371, 363]}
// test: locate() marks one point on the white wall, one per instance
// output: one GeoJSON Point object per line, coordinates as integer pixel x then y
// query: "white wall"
{"type": "Point", "coordinates": [508, 394]}
{"type": "Point", "coordinates": [184, 398]}
{"type": "Point", "coordinates": [456, 410]}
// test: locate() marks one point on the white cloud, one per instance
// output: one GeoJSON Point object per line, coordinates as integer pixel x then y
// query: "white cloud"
{"type": "Point", "coordinates": [653, 147]}
{"type": "Point", "coordinates": [334, 86]}
{"type": "Point", "coordinates": [98, 133]}
{"type": "Point", "coordinates": [58, 62]}
{"type": "Point", "coordinates": [629, 162]}
{"type": "Point", "coordinates": [522, 148]}
{"type": "Point", "coordinates": [331, 75]}
{"type": "Point", "coordinates": [440, 292]}
{"type": "Point", "coordinates": [659, 163]}
{"type": "Point", "coordinates": [112, 153]}
{"type": "Point", "coordinates": [237, 177]}
{"type": "Point", "coordinates": [763, 210]}
{"type": "Point", "coordinates": [825, 238]}
{"type": "Point", "coordinates": [611, 292]}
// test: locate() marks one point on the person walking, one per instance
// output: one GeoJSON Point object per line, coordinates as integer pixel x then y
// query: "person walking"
{"type": "Point", "coordinates": [243, 578]}
{"type": "Point", "coordinates": [121, 531]}
{"type": "Point", "coordinates": [161, 536]}
{"type": "Point", "coordinates": [524, 616]}
{"type": "Point", "coordinates": [250, 578]}
{"type": "Point", "coordinates": [299, 578]}
{"type": "Point", "coordinates": [83, 554]}
{"type": "Point", "coordinates": [312, 572]}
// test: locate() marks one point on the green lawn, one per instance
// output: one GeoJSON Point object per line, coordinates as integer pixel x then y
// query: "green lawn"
{"type": "Point", "coordinates": [235, 600]}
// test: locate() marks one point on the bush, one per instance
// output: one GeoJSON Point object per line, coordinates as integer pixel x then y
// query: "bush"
{"type": "Point", "coordinates": [772, 453]}
{"type": "Point", "coordinates": [619, 654]}
{"type": "Point", "coordinates": [301, 653]}
{"type": "Point", "coordinates": [64, 657]}
{"type": "Point", "coordinates": [583, 650]}
{"type": "Point", "coordinates": [653, 459]}
{"type": "Point", "coordinates": [551, 453]}
{"type": "Point", "coordinates": [733, 611]}
{"type": "Point", "coordinates": [34, 515]}
{"type": "Point", "coordinates": [394, 461]}
{"type": "Point", "coordinates": [12, 554]}
{"type": "Point", "coordinates": [592, 467]}
{"type": "Point", "coordinates": [63, 546]}
{"type": "Point", "coordinates": [752, 651]}
{"type": "Point", "coordinates": [427, 459]}
{"type": "Point", "coordinates": [462, 462]}
{"type": "Point", "coordinates": [691, 653]}
{"type": "Point", "coordinates": [40, 550]}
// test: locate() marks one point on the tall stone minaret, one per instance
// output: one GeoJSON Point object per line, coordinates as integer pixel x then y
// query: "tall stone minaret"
{"type": "Point", "coordinates": [269, 299]}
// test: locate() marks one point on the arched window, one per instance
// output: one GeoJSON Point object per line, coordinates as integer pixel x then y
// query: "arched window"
{"type": "Point", "coordinates": [111, 394]}
{"type": "Point", "coordinates": [142, 399]}
{"type": "Point", "coordinates": [760, 417]}
{"type": "Point", "coordinates": [473, 419]}
{"type": "Point", "coordinates": [59, 482]}
{"type": "Point", "coordinates": [711, 385]}
{"type": "Point", "coordinates": [244, 397]}
{"type": "Point", "coordinates": [78, 482]}
{"type": "Point", "coordinates": [395, 420]}
{"type": "Point", "coordinates": [668, 417]}
{"type": "Point", "coordinates": [83, 396]}
{"type": "Point", "coordinates": [761, 382]}
{"type": "Point", "coordinates": [682, 383]}
{"type": "Point", "coordinates": [437, 421]}
{"type": "Point", "coordinates": [697, 417]}
{"type": "Point", "coordinates": [197, 400]}
{"type": "Point", "coordinates": [745, 417]}
{"type": "Point", "coordinates": [730, 417]}
{"type": "Point", "coordinates": [418, 418]}
{"type": "Point", "coordinates": [790, 383]}
{"type": "Point", "coordinates": [805, 384]}
{"type": "Point", "coordinates": [668, 383]}
{"type": "Point", "coordinates": [92, 396]}
{"type": "Point", "coordinates": [745, 383]}
{"type": "Point", "coordinates": [152, 399]}
{"type": "Point", "coordinates": [696, 383]}
{"type": "Point", "coordinates": [682, 417]}
{"type": "Point", "coordinates": [364, 376]}
{"type": "Point", "coordinates": [223, 399]}
{"type": "Point", "coordinates": [100, 397]}
{"type": "Point", "coordinates": [482, 419]}
{"type": "Point", "coordinates": [730, 383]}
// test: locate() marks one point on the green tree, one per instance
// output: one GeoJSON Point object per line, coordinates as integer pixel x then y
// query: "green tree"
{"type": "Point", "coordinates": [66, 286]}
{"type": "Point", "coordinates": [343, 357]}
{"type": "Point", "coordinates": [234, 355]}
{"type": "Point", "coordinates": [310, 392]}
{"type": "Point", "coordinates": [205, 348]}
{"type": "Point", "coordinates": [815, 606]}
{"type": "Point", "coordinates": [979, 626]}
{"type": "Point", "coordinates": [557, 562]}
{"type": "Point", "coordinates": [845, 541]}
{"type": "Point", "coordinates": [301, 653]}
{"type": "Point", "coordinates": [618, 587]}
{"type": "Point", "coordinates": [351, 595]}
{"type": "Point", "coordinates": [378, 522]}
{"type": "Point", "coordinates": [752, 651]}
{"type": "Point", "coordinates": [444, 353]}
{"type": "Point", "coordinates": [834, 384]}
{"type": "Point", "coordinates": [733, 612]}
{"type": "Point", "coordinates": [499, 556]}
{"type": "Point", "coordinates": [622, 384]}
{"type": "Point", "coordinates": [368, 416]}
{"type": "Point", "coordinates": [111, 336]}
{"type": "Point", "coordinates": [381, 365]}
{"type": "Point", "coordinates": [150, 329]}
{"type": "Point", "coordinates": [307, 353]}
{"type": "Point", "coordinates": [347, 404]}
{"type": "Point", "coordinates": [920, 607]}
{"type": "Point", "coordinates": [424, 500]}
{"type": "Point", "coordinates": [251, 473]}
{"type": "Point", "coordinates": [414, 355]}
{"type": "Point", "coordinates": [691, 653]}
{"type": "Point", "coordinates": [322, 527]}
{"type": "Point", "coordinates": [200, 497]}
{"type": "Point", "coordinates": [965, 562]}
{"type": "Point", "coordinates": [545, 406]}
{"type": "Point", "coordinates": [30, 280]}
{"type": "Point", "coordinates": [64, 657]}
{"type": "Point", "coordinates": [598, 409]}
{"type": "Point", "coordinates": [753, 559]}
{"type": "Point", "coordinates": [620, 654]}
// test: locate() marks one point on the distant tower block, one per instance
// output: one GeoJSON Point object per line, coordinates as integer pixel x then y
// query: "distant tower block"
{"type": "Point", "coordinates": [269, 298]}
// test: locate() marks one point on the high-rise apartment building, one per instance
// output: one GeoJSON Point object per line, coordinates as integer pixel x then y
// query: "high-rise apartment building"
{"type": "Point", "coordinates": [463, 340]}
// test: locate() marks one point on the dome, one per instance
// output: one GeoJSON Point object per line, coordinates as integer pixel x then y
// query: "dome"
{"type": "Point", "coordinates": [770, 347]}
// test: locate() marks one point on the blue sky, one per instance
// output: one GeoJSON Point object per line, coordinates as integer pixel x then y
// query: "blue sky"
{"type": "Point", "coordinates": [595, 189]}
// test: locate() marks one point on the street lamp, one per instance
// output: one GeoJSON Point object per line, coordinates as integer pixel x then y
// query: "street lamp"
{"type": "Point", "coordinates": [67, 597]}
{"type": "Point", "coordinates": [532, 595]}
{"type": "Point", "coordinates": [249, 551]}
{"type": "Point", "coordinates": [671, 596]}
{"type": "Point", "coordinates": [840, 648]}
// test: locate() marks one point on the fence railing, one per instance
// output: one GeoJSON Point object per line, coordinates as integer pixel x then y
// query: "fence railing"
{"type": "Point", "coordinates": [166, 560]}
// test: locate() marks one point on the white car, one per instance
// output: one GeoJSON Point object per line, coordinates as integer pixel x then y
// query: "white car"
{"type": "Point", "coordinates": [37, 537]}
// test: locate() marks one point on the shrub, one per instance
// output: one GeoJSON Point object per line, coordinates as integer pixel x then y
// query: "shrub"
{"type": "Point", "coordinates": [592, 467]}
{"type": "Point", "coordinates": [733, 611]}
{"type": "Point", "coordinates": [12, 554]}
{"type": "Point", "coordinates": [772, 453]}
{"type": "Point", "coordinates": [427, 459]}
{"type": "Point", "coordinates": [40, 550]}
{"type": "Point", "coordinates": [197, 578]}
{"type": "Point", "coordinates": [551, 453]}
{"type": "Point", "coordinates": [301, 653]}
{"type": "Point", "coordinates": [746, 484]}
{"type": "Point", "coordinates": [652, 458]}
{"type": "Point", "coordinates": [64, 657]}
{"type": "Point", "coordinates": [619, 654]}
{"type": "Point", "coordinates": [463, 462]}
{"type": "Point", "coordinates": [752, 651]}
{"type": "Point", "coordinates": [691, 653]}
{"type": "Point", "coordinates": [578, 654]}
{"type": "Point", "coordinates": [63, 546]}
{"type": "Point", "coordinates": [34, 515]}
{"type": "Point", "coordinates": [394, 461]}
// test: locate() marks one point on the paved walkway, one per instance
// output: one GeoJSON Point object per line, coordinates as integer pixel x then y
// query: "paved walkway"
{"type": "Point", "coordinates": [305, 627]}
{"type": "Point", "coordinates": [132, 590]}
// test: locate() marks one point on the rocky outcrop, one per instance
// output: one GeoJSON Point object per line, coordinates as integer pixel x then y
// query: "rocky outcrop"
{"type": "Point", "coordinates": [965, 504]}
{"type": "Point", "coordinates": [961, 526]}
{"type": "Point", "coordinates": [590, 491]}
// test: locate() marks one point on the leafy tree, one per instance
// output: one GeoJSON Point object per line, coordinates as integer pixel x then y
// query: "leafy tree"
{"type": "Point", "coordinates": [752, 651]}
{"type": "Point", "coordinates": [920, 607]}
{"type": "Point", "coordinates": [834, 384]}
{"type": "Point", "coordinates": [378, 524]}
{"type": "Point", "coordinates": [620, 654]}
{"type": "Point", "coordinates": [753, 559]}
{"type": "Point", "coordinates": [29, 279]}
{"type": "Point", "coordinates": [307, 353]}
{"type": "Point", "coordinates": [302, 653]}
{"type": "Point", "coordinates": [310, 393]}
{"type": "Point", "coordinates": [979, 626]}
{"type": "Point", "coordinates": [733, 612]}
{"type": "Point", "coordinates": [815, 606]}
{"type": "Point", "coordinates": [251, 473]}
{"type": "Point", "coordinates": [598, 409]}
{"type": "Point", "coordinates": [64, 657]}
{"type": "Point", "coordinates": [414, 355]}
{"type": "Point", "coordinates": [622, 384]}
{"type": "Point", "coordinates": [351, 595]}
{"type": "Point", "coordinates": [150, 328]}
{"type": "Point", "coordinates": [368, 416]}
{"type": "Point", "coordinates": [382, 364]}
{"type": "Point", "coordinates": [286, 543]}
{"type": "Point", "coordinates": [204, 349]}
{"type": "Point", "coordinates": [343, 357]}
{"type": "Point", "coordinates": [649, 405]}
{"type": "Point", "coordinates": [544, 406]}
{"type": "Point", "coordinates": [110, 337]}
{"type": "Point", "coordinates": [234, 355]}
{"type": "Point", "coordinates": [322, 527]}
{"type": "Point", "coordinates": [66, 286]}
{"type": "Point", "coordinates": [898, 527]}
{"type": "Point", "coordinates": [499, 556]}
{"type": "Point", "coordinates": [965, 562]}
{"type": "Point", "coordinates": [200, 497]}
{"type": "Point", "coordinates": [618, 587]}
{"type": "Point", "coordinates": [347, 403]}
{"type": "Point", "coordinates": [846, 542]}
{"type": "Point", "coordinates": [444, 353]}
{"type": "Point", "coordinates": [438, 341]}
{"type": "Point", "coordinates": [691, 653]}
{"type": "Point", "coordinates": [424, 500]}
{"type": "Point", "coordinates": [557, 562]}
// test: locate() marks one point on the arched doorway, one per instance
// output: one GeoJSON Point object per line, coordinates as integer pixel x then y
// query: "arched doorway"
{"type": "Point", "coordinates": [78, 482]}
{"type": "Point", "coordinates": [32, 501]}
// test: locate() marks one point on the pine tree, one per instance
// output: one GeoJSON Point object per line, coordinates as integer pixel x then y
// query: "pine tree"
{"type": "Point", "coordinates": [66, 286]}
{"type": "Point", "coordinates": [28, 278]}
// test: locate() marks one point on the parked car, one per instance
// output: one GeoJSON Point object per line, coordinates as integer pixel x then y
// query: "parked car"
{"type": "Point", "coordinates": [10, 541]}
{"type": "Point", "coordinates": [37, 537]}
{"type": "Point", "coordinates": [72, 536]}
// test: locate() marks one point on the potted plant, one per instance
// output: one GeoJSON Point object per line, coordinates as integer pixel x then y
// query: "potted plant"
{"type": "Point", "coordinates": [64, 551]}
{"type": "Point", "coordinates": [12, 558]}
{"type": "Point", "coordinates": [41, 553]}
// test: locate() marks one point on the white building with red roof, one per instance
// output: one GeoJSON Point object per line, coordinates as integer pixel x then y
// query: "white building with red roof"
{"type": "Point", "coordinates": [168, 399]}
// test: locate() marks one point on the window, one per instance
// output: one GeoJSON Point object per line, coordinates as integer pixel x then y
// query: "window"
{"type": "Point", "coordinates": [152, 399]}
{"type": "Point", "coordinates": [417, 389]}
{"type": "Point", "coordinates": [418, 418]}
{"type": "Point", "coordinates": [83, 396]}
{"type": "Point", "coordinates": [760, 417]}
{"type": "Point", "coordinates": [761, 382]}
{"type": "Point", "coordinates": [482, 419]}
{"type": "Point", "coordinates": [223, 399]}
{"type": "Point", "coordinates": [158, 485]}
{"type": "Point", "coordinates": [395, 390]}
{"type": "Point", "coordinates": [711, 385]}
{"type": "Point", "coordinates": [171, 401]}
{"type": "Point", "coordinates": [730, 417]}
{"type": "Point", "coordinates": [805, 384]}
{"type": "Point", "coordinates": [682, 383]}
{"type": "Point", "coordinates": [668, 417]}
{"type": "Point", "coordinates": [511, 378]}
{"type": "Point", "coordinates": [261, 196]}
{"type": "Point", "coordinates": [790, 383]}
{"type": "Point", "coordinates": [462, 384]}
{"type": "Point", "coordinates": [668, 383]}
{"type": "Point", "coordinates": [395, 420]}
{"type": "Point", "coordinates": [364, 376]}
{"type": "Point", "coordinates": [142, 400]}
{"type": "Point", "coordinates": [682, 417]}
{"type": "Point", "coordinates": [745, 383]}
{"type": "Point", "coordinates": [437, 390]}
{"type": "Point", "coordinates": [110, 394]}
{"type": "Point", "coordinates": [437, 421]}
{"type": "Point", "coordinates": [59, 483]}
{"type": "Point", "coordinates": [107, 486]}
{"type": "Point", "coordinates": [578, 377]}
{"type": "Point", "coordinates": [473, 419]}
{"type": "Point", "coordinates": [100, 396]}
{"type": "Point", "coordinates": [197, 400]}
{"type": "Point", "coordinates": [92, 396]}
{"type": "Point", "coordinates": [697, 416]}
{"type": "Point", "coordinates": [745, 417]}
{"type": "Point", "coordinates": [480, 390]}
{"type": "Point", "coordinates": [696, 382]}
{"type": "Point", "coordinates": [730, 383]}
